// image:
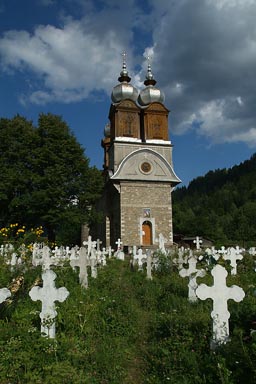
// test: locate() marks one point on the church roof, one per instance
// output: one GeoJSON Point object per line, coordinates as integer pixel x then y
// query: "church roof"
{"type": "Point", "coordinates": [124, 90]}
{"type": "Point", "coordinates": [150, 94]}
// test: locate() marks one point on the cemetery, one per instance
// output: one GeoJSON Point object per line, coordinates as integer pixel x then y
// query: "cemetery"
{"type": "Point", "coordinates": [94, 315]}
{"type": "Point", "coordinates": [127, 304]}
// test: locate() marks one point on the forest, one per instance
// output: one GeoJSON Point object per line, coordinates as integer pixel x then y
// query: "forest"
{"type": "Point", "coordinates": [220, 206]}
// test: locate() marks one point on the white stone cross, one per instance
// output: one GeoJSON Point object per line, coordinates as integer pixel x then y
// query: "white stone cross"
{"type": "Point", "coordinates": [222, 251]}
{"type": "Point", "coordinates": [13, 261]}
{"type": "Point", "coordinates": [101, 255]}
{"type": "Point", "coordinates": [48, 294]}
{"type": "Point", "coordinates": [181, 258]}
{"type": "Point", "coordinates": [36, 253]}
{"type": "Point", "coordinates": [46, 259]}
{"type": "Point", "coordinates": [119, 254]}
{"type": "Point", "coordinates": [90, 245]}
{"type": "Point", "coordinates": [162, 240]}
{"type": "Point", "coordinates": [212, 252]}
{"type": "Point", "coordinates": [110, 251]}
{"type": "Point", "coordinates": [252, 251]}
{"type": "Point", "coordinates": [220, 294]}
{"type": "Point", "coordinates": [93, 262]}
{"type": "Point", "coordinates": [73, 253]}
{"type": "Point", "coordinates": [4, 294]}
{"type": "Point", "coordinates": [119, 243]}
{"type": "Point", "coordinates": [81, 262]}
{"type": "Point", "coordinates": [233, 255]}
{"type": "Point", "coordinates": [149, 264]}
{"type": "Point", "coordinates": [192, 273]}
{"type": "Point", "coordinates": [98, 243]}
{"type": "Point", "coordinates": [197, 242]}
{"type": "Point", "coordinates": [140, 258]}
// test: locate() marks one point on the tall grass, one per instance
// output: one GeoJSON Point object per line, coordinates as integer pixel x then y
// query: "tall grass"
{"type": "Point", "coordinates": [125, 329]}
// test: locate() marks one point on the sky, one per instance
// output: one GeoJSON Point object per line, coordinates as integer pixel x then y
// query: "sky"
{"type": "Point", "coordinates": [64, 57]}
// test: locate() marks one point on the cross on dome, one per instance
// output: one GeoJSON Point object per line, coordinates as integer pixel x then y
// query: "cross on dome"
{"type": "Point", "coordinates": [124, 90]}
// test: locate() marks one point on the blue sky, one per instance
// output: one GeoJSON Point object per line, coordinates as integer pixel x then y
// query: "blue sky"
{"type": "Point", "coordinates": [64, 57]}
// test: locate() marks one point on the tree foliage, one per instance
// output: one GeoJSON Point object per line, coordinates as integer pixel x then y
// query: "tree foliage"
{"type": "Point", "coordinates": [46, 178]}
{"type": "Point", "coordinates": [221, 205]}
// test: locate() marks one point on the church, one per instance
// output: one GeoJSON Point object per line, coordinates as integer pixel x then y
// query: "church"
{"type": "Point", "coordinates": [138, 167]}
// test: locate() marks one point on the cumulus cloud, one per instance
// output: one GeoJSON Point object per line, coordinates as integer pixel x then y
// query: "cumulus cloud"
{"type": "Point", "coordinates": [73, 60]}
{"type": "Point", "coordinates": [205, 55]}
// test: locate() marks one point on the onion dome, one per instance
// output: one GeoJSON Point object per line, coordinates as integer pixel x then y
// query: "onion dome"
{"type": "Point", "coordinates": [107, 130]}
{"type": "Point", "coordinates": [150, 94]}
{"type": "Point", "coordinates": [124, 90]}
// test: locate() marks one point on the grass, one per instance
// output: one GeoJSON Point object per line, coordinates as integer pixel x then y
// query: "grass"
{"type": "Point", "coordinates": [125, 329]}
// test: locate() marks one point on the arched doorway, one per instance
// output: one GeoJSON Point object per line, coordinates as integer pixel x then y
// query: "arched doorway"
{"type": "Point", "coordinates": [146, 233]}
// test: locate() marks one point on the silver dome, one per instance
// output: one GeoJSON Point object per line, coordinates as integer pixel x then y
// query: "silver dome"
{"type": "Point", "coordinates": [149, 95]}
{"type": "Point", "coordinates": [124, 91]}
{"type": "Point", "coordinates": [107, 130]}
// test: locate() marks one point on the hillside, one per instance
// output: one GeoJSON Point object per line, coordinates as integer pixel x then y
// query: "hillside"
{"type": "Point", "coordinates": [124, 329]}
{"type": "Point", "coordinates": [220, 205]}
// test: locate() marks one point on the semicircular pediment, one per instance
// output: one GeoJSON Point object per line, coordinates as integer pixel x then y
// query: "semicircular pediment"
{"type": "Point", "coordinates": [145, 165]}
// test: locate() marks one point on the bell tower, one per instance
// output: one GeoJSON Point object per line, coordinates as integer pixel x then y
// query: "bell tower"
{"type": "Point", "coordinates": [138, 168]}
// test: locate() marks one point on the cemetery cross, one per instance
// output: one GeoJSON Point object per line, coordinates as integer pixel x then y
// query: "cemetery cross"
{"type": "Point", "coordinates": [192, 273]}
{"type": "Point", "coordinates": [149, 264]}
{"type": "Point", "coordinates": [4, 294]}
{"type": "Point", "coordinates": [233, 255]}
{"type": "Point", "coordinates": [48, 294]}
{"type": "Point", "coordinates": [81, 263]}
{"type": "Point", "coordinates": [220, 294]}
{"type": "Point", "coordinates": [140, 257]}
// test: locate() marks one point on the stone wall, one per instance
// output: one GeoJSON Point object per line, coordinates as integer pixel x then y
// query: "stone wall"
{"type": "Point", "coordinates": [135, 197]}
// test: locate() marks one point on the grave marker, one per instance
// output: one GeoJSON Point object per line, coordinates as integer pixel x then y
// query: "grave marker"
{"type": "Point", "coordinates": [212, 252]}
{"type": "Point", "coordinates": [119, 254]}
{"type": "Point", "coordinates": [48, 294]}
{"type": "Point", "coordinates": [162, 241]}
{"type": "Point", "coordinates": [93, 261]}
{"type": "Point", "coordinates": [90, 244]}
{"type": "Point", "coordinates": [192, 273]}
{"type": "Point", "coordinates": [182, 259]}
{"type": "Point", "coordinates": [233, 255]}
{"type": "Point", "coordinates": [222, 251]}
{"type": "Point", "coordinates": [81, 263]}
{"type": "Point", "coordinates": [197, 242]}
{"type": "Point", "coordinates": [220, 294]}
{"type": "Point", "coordinates": [140, 258]}
{"type": "Point", "coordinates": [149, 264]}
{"type": "Point", "coordinates": [4, 294]}
{"type": "Point", "coordinates": [98, 243]}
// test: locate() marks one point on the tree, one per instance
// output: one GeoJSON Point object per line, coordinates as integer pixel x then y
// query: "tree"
{"type": "Point", "coordinates": [47, 177]}
{"type": "Point", "coordinates": [17, 139]}
{"type": "Point", "coordinates": [220, 205]}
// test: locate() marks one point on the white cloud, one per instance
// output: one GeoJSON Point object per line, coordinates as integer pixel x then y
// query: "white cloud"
{"type": "Point", "coordinates": [210, 121]}
{"type": "Point", "coordinates": [209, 48]}
{"type": "Point", "coordinates": [240, 100]}
{"type": "Point", "coordinates": [203, 56]}
{"type": "Point", "coordinates": [230, 3]}
{"type": "Point", "coordinates": [71, 61]}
